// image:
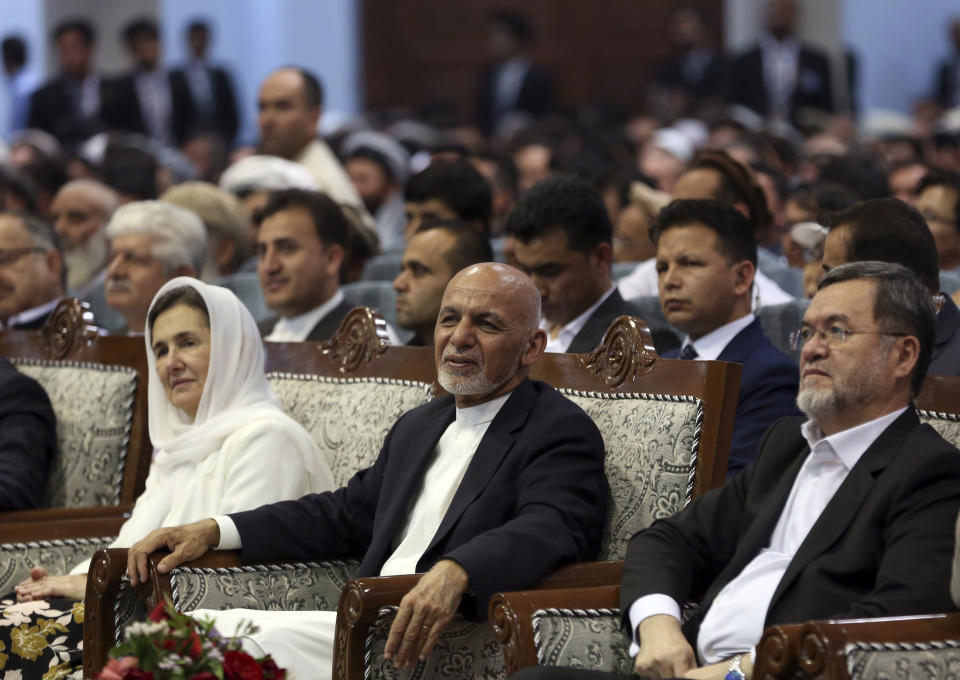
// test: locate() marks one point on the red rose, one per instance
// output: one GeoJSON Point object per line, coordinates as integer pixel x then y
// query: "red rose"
{"type": "Point", "coordinates": [138, 674]}
{"type": "Point", "coordinates": [206, 675]}
{"type": "Point", "coordinates": [169, 644]}
{"type": "Point", "coordinates": [193, 647]}
{"type": "Point", "coordinates": [271, 671]}
{"type": "Point", "coordinates": [160, 613]}
{"type": "Point", "coordinates": [239, 665]}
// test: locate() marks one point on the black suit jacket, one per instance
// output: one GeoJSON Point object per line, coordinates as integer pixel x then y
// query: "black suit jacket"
{"type": "Point", "coordinates": [946, 346]}
{"type": "Point", "coordinates": [223, 119]}
{"type": "Point", "coordinates": [51, 111]}
{"type": "Point", "coordinates": [532, 498]}
{"type": "Point", "coordinates": [746, 85]}
{"type": "Point", "coordinates": [947, 82]}
{"type": "Point", "coordinates": [129, 113]}
{"type": "Point", "coordinates": [592, 332]}
{"type": "Point", "coordinates": [28, 439]}
{"type": "Point", "coordinates": [883, 545]}
{"type": "Point", "coordinates": [537, 95]}
{"type": "Point", "coordinates": [671, 75]}
{"type": "Point", "coordinates": [324, 329]}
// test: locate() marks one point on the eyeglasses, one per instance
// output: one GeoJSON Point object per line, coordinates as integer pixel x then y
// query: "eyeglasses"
{"type": "Point", "coordinates": [11, 255]}
{"type": "Point", "coordinates": [831, 336]}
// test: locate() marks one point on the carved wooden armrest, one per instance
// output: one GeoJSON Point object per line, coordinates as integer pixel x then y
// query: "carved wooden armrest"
{"type": "Point", "coordinates": [511, 616]}
{"type": "Point", "coordinates": [74, 527]}
{"type": "Point", "coordinates": [820, 648]}
{"type": "Point", "coordinates": [64, 514]}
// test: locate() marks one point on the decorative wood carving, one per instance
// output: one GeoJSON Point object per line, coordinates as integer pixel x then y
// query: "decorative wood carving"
{"type": "Point", "coordinates": [504, 623]}
{"type": "Point", "coordinates": [361, 337]}
{"type": "Point", "coordinates": [626, 352]}
{"type": "Point", "coordinates": [812, 653]}
{"type": "Point", "coordinates": [69, 326]}
{"type": "Point", "coordinates": [776, 651]}
{"type": "Point", "coordinates": [351, 604]}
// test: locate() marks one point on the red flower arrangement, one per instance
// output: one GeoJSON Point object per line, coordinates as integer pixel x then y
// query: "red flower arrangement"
{"type": "Point", "coordinates": [173, 646]}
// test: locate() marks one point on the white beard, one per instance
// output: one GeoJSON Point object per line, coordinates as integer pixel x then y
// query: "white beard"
{"type": "Point", "coordinates": [87, 260]}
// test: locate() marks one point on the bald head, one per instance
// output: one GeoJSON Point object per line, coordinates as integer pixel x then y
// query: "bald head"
{"type": "Point", "coordinates": [288, 105]}
{"type": "Point", "coordinates": [486, 336]}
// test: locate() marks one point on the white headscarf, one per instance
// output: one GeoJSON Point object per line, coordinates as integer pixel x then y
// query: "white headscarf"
{"type": "Point", "coordinates": [236, 392]}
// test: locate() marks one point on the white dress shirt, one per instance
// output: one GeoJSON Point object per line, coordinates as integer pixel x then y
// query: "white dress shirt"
{"type": "Point", "coordinates": [453, 455]}
{"type": "Point", "coordinates": [566, 334]}
{"type": "Point", "coordinates": [780, 59]}
{"type": "Point", "coordinates": [156, 103]}
{"type": "Point", "coordinates": [710, 345]}
{"type": "Point", "coordinates": [297, 328]}
{"type": "Point", "coordinates": [734, 622]}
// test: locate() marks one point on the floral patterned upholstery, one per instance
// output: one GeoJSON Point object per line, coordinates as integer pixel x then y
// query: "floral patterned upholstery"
{"type": "Point", "coordinates": [94, 406]}
{"type": "Point", "coordinates": [58, 556]}
{"type": "Point", "coordinates": [913, 661]}
{"type": "Point", "coordinates": [348, 417]}
{"type": "Point", "coordinates": [465, 649]}
{"type": "Point", "coordinates": [947, 424]}
{"type": "Point", "coordinates": [652, 442]}
{"type": "Point", "coordinates": [287, 587]}
{"type": "Point", "coordinates": [581, 638]}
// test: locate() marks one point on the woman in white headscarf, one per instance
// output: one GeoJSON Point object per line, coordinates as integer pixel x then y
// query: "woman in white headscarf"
{"type": "Point", "coordinates": [223, 443]}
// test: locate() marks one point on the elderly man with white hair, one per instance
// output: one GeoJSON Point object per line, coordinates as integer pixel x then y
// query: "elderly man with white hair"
{"type": "Point", "coordinates": [151, 242]}
{"type": "Point", "coordinates": [80, 212]}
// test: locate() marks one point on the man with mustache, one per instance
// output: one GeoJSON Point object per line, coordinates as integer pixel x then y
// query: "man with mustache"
{"type": "Point", "coordinates": [848, 513]}
{"type": "Point", "coordinates": [32, 272]}
{"type": "Point", "coordinates": [486, 489]}
{"type": "Point", "coordinates": [79, 212]}
{"type": "Point", "coordinates": [706, 261]}
{"type": "Point", "coordinates": [151, 242]}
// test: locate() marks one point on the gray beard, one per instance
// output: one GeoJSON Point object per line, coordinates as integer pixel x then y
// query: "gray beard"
{"type": "Point", "coordinates": [87, 260]}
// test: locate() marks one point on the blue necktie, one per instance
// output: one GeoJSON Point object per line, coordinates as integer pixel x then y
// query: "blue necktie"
{"type": "Point", "coordinates": [688, 352]}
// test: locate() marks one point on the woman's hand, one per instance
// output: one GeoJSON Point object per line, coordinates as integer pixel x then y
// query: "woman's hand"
{"type": "Point", "coordinates": [41, 585]}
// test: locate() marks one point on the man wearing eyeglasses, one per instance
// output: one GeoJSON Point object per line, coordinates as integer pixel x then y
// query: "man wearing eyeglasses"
{"type": "Point", "coordinates": [32, 275]}
{"type": "Point", "coordinates": [848, 513]}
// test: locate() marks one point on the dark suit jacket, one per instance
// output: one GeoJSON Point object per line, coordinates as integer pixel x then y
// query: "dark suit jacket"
{"type": "Point", "coordinates": [946, 84]}
{"type": "Point", "coordinates": [28, 439]}
{"type": "Point", "coordinates": [324, 329]}
{"type": "Point", "coordinates": [127, 101]}
{"type": "Point", "coordinates": [224, 118]}
{"type": "Point", "coordinates": [537, 95]}
{"type": "Point", "coordinates": [592, 332]}
{"type": "Point", "coordinates": [51, 111]}
{"type": "Point", "coordinates": [671, 75]}
{"type": "Point", "coordinates": [746, 85]}
{"type": "Point", "coordinates": [768, 390]}
{"type": "Point", "coordinates": [882, 546]}
{"type": "Point", "coordinates": [533, 497]}
{"type": "Point", "coordinates": [946, 347]}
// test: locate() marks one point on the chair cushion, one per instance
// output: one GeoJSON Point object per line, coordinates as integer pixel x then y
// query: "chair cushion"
{"type": "Point", "coordinates": [348, 417]}
{"type": "Point", "coordinates": [875, 661]}
{"type": "Point", "coordinates": [651, 445]}
{"type": "Point", "coordinates": [58, 556]}
{"type": "Point", "coordinates": [94, 406]}
{"type": "Point", "coordinates": [582, 638]}
{"type": "Point", "coordinates": [294, 586]}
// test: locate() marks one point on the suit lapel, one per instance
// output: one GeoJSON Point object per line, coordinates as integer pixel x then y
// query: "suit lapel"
{"type": "Point", "coordinates": [739, 348]}
{"type": "Point", "coordinates": [497, 441]}
{"type": "Point", "coordinates": [842, 508]}
{"type": "Point", "coordinates": [597, 324]}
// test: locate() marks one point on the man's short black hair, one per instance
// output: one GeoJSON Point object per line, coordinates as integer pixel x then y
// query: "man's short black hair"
{"type": "Point", "coordinates": [863, 173]}
{"type": "Point", "coordinates": [470, 247]}
{"type": "Point", "coordinates": [198, 26]}
{"type": "Point", "coordinates": [80, 26]}
{"type": "Point", "coordinates": [375, 156]}
{"type": "Point", "coordinates": [458, 184]}
{"type": "Point", "coordinates": [889, 230]}
{"type": "Point", "coordinates": [14, 51]}
{"type": "Point", "coordinates": [505, 174]}
{"type": "Point", "coordinates": [328, 218]}
{"type": "Point", "coordinates": [140, 26]}
{"type": "Point", "coordinates": [948, 180]}
{"type": "Point", "coordinates": [515, 23]}
{"type": "Point", "coordinates": [737, 185]}
{"type": "Point", "coordinates": [822, 198]}
{"type": "Point", "coordinates": [733, 230]}
{"type": "Point", "coordinates": [562, 203]}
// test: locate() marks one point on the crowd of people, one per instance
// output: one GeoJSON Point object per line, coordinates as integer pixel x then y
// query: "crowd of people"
{"type": "Point", "coordinates": [741, 188]}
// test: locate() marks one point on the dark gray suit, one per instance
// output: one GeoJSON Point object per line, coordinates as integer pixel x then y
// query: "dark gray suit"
{"type": "Point", "coordinates": [324, 329]}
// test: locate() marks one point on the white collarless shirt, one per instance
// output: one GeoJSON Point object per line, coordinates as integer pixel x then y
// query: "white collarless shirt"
{"type": "Point", "coordinates": [713, 343]}
{"type": "Point", "coordinates": [297, 328]}
{"type": "Point", "coordinates": [734, 622]}
{"type": "Point", "coordinates": [566, 334]}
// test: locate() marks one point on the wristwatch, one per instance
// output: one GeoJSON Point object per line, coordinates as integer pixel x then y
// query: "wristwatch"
{"type": "Point", "coordinates": [734, 671]}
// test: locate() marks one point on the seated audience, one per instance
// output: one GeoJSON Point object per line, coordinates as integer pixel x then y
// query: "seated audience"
{"type": "Point", "coordinates": [498, 169]}
{"type": "Point", "coordinates": [889, 230]}
{"type": "Point", "coordinates": [447, 190]}
{"type": "Point", "coordinates": [32, 274]}
{"type": "Point", "coordinates": [847, 515]}
{"type": "Point", "coordinates": [229, 241]}
{"type": "Point", "coordinates": [532, 459]}
{"type": "Point", "coordinates": [28, 439]}
{"type": "Point", "coordinates": [301, 240]}
{"type": "Point", "coordinates": [938, 200]}
{"type": "Point", "coordinates": [80, 212]}
{"type": "Point", "coordinates": [706, 259]}
{"type": "Point", "coordinates": [808, 203]}
{"type": "Point", "coordinates": [562, 239]}
{"type": "Point", "coordinates": [631, 229]}
{"type": "Point", "coordinates": [151, 242]}
{"type": "Point", "coordinates": [253, 178]}
{"type": "Point", "coordinates": [715, 175]}
{"type": "Point", "coordinates": [223, 442]}
{"type": "Point", "coordinates": [437, 251]}
{"type": "Point", "coordinates": [378, 166]}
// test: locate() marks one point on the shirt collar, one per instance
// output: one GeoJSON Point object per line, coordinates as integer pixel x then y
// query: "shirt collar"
{"type": "Point", "coordinates": [850, 444]}
{"type": "Point", "coordinates": [481, 413]}
{"type": "Point", "coordinates": [713, 343]}
{"type": "Point", "coordinates": [302, 325]}
{"type": "Point", "coordinates": [569, 332]}
{"type": "Point", "coordinates": [29, 315]}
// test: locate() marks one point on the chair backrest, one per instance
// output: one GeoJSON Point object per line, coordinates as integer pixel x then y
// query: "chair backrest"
{"type": "Point", "coordinates": [383, 267]}
{"type": "Point", "coordinates": [666, 424]}
{"type": "Point", "coordinates": [378, 295]}
{"type": "Point", "coordinates": [246, 286]}
{"type": "Point", "coordinates": [349, 391]}
{"type": "Point", "coordinates": [939, 405]}
{"type": "Point", "coordinates": [98, 389]}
